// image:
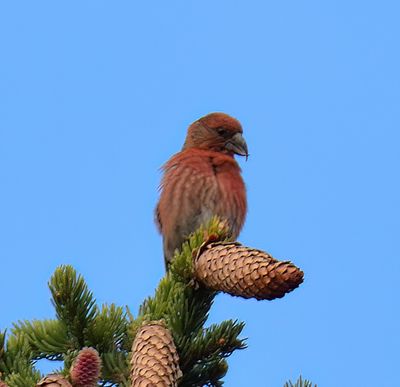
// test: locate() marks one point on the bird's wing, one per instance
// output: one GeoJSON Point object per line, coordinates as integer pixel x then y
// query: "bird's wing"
{"type": "Point", "coordinates": [188, 198]}
{"type": "Point", "coordinates": [157, 218]}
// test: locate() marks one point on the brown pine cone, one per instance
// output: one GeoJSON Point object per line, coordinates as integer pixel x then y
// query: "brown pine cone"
{"type": "Point", "coordinates": [54, 380]}
{"type": "Point", "coordinates": [155, 361]}
{"type": "Point", "coordinates": [245, 272]}
{"type": "Point", "coordinates": [85, 370]}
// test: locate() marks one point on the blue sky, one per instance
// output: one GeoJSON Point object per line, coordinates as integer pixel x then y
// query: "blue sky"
{"type": "Point", "coordinates": [96, 95]}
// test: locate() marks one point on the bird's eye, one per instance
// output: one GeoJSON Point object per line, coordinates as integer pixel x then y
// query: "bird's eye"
{"type": "Point", "coordinates": [222, 132]}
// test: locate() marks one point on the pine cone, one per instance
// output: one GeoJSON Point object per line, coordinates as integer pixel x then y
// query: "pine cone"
{"type": "Point", "coordinates": [85, 370]}
{"type": "Point", "coordinates": [155, 361]}
{"type": "Point", "coordinates": [54, 380]}
{"type": "Point", "coordinates": [245, 272]}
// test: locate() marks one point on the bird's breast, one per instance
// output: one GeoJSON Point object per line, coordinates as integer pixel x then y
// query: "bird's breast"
{"type": "Point", "coordinates": [230, 202]}
{"type": "Point", "coordinates": [198, 185]}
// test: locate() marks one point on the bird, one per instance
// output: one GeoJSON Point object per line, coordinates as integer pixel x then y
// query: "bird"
{"type": "Point", "coordinates": [201, 181]}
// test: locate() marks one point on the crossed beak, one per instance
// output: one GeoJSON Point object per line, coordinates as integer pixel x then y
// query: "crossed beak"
{"type": "Point", "coordinates": [237, 145]}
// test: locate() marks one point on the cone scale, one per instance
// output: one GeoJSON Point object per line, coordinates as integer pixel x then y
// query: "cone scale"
{"type": "Point", "coordinates": [155, 361]}
{"type": "Point", "coordinates": [245, 272]}
{"type": "Point", "coordinates": [85, 371]}
{"type": "Point", "coordinates": [54, 380]}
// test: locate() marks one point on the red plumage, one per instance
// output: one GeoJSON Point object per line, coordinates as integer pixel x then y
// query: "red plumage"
{"type": "Point", "coordinates": [203, 180]}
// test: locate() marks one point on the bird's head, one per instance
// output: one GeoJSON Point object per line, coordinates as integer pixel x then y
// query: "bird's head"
{"type": "Point", "coordinates": [218, 132]}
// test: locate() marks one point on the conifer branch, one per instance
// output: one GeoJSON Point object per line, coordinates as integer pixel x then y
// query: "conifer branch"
{"type": "Point", "coordinates": [73, 302]}
{"type": "Point", "coordinates": [170, 325]}
{"type": "Point", "coordinates": [47, 338]}
{"type": "Point", "coordinates": [16, 361]}
{"type": "Point", "coordinates": [300, 383]}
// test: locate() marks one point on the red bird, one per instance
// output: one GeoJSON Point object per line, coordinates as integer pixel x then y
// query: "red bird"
{"type": "Point", "coordinates": [203, 180]}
